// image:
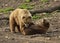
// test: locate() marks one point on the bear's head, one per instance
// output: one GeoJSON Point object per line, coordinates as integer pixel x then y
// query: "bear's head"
{"type": "Point", "coordinates": [43, 22]}
{"type": "Point", "coordinates": [46, 23]}
{"type": "Point", "coordinates": [26, 18]}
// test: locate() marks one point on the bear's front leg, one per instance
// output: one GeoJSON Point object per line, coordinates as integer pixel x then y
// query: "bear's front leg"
{"type": "Point", "coordinates": [27, 31]}
{"type": "Point", "coordinates": [22, 29]}
{"type": "Point", "coordinates": [12, 25]}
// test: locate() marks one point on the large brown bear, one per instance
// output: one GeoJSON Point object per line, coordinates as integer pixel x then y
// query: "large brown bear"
{"type": "Point", "coordinates": [22, 19]}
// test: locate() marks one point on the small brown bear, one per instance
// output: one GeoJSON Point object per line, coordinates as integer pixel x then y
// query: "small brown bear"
{"type": "Point", "coordinates": [20, 18]}
{"type": "Point", "coordinates": [40, 26]}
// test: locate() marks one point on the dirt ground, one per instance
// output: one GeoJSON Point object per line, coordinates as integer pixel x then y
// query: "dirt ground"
{"type": "Point", "coordinates": [52, 35]}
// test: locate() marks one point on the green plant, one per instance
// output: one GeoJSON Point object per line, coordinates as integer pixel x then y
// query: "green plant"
{"type": "Point", "coordinates": [47, 15]}
{"type": "Point", "coordinates": [41, 16]}
{"type": "Point", "coordinates": [36, 17]}
{"type": "Point", "coordinates": [44, 0]}
{"type": "Point", "coordinates": [26, 6]}
{"type": "Point", "coordinates": [5, 10]}
{"type": "Point", "coordinates": [27, 0]}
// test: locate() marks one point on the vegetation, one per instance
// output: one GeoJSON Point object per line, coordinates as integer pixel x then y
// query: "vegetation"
{"type": "Point", "coordinates": [41, 16]}
{"type": "Point", "coordinates": [47, 15]}
{"type": "Point", "coordinates": [36, 17]}
{"type": "Point", "coordinates": [6, 10]}
{"type": "Point", "coordinates": [27, 0]}
{"type": "Point", "coordinates": [26, 6]}
{"type": "Point", "coordinates": [44, 0]}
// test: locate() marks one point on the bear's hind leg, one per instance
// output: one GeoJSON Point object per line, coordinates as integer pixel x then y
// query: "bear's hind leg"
{"type": "Point", "coordinates": [18, 28]}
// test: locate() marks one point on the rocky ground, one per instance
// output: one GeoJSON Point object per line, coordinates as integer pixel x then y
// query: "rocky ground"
{"type": "Point", "coordinates": [52, 35]}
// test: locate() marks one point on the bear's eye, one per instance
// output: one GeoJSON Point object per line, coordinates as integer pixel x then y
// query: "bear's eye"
{"type": "Point", "coordinates": [23, 17]}
{"type": "Point", "coordinates": [29, 17]}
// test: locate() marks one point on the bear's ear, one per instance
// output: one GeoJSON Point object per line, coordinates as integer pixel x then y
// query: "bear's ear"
{"type": "Point", "coordinates": [44, 20]}
{"type": "Point", "coordinates": [46, 23]}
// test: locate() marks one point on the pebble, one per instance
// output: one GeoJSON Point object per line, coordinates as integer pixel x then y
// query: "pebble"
{"type": "Point", "coordinates": [59, 36]}
{"type": "Point", "coordinates": [47, 38]}
{"type": "Point", "coordinates": [7, 37]}
{"type": "Point", "coordinates": [55, 0]}
{"type": "Point", "coordinates": [13, 38]}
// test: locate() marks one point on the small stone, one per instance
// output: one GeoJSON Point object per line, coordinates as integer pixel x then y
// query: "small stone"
{"type": "Point", "coordinates": [1, 40]}
{"type": "Point", "coordinates": [44, 13]}
{"type": "Point", "coordinates": [7, 37]}
{"type": "Point", "coordinates": [48, 38]}
{"type": "Point", "coordinates": [1, 13]}
{"type": "Point", "coordinates": [55, 0]}
{"type": "Point", "coordinates": [12, 38]}
{"type": "Point", "coordinates": [59, 36]}
{"type": "Point", "coordinates": [6, 5]}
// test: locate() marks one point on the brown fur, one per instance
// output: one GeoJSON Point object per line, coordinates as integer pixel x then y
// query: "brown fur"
{"type": "Point", "coordinates": [20, 18]}
{"type": "Point", "coordinates": [41, 26]}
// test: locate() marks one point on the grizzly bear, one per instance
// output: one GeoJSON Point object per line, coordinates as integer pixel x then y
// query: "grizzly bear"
{"type": "Point", "coordinates": [22, 19]}
{"type": "Point", "coordinates": [40, 26]}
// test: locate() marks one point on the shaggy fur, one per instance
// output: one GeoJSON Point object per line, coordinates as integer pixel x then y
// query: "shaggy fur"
{"type": "Point", "coordinates": [20, 18]}
{"type": "Point", "coordinates": [40, 26]}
